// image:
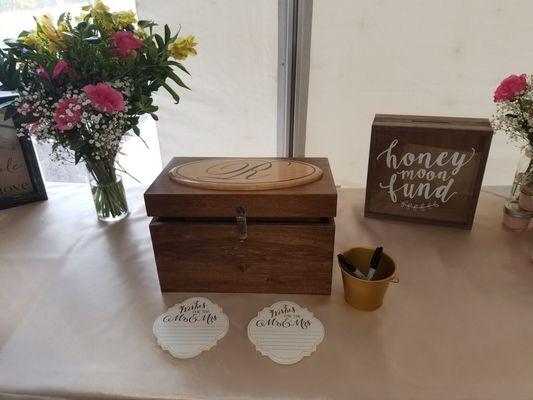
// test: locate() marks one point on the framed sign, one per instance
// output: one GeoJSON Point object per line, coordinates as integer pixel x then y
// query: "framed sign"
{"type": "Point", "coordinates": [426, 169]}
{"type": "Point", "coordinates": [20, 177]}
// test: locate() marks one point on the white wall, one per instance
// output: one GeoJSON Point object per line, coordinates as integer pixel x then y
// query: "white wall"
{"type": "Point", "coordinates": [231, 110]}
{"type": "Point", "coordinates": [428, 57]}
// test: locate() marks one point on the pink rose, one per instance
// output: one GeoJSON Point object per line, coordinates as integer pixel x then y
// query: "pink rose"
{"type": "Point", "coordinates": [41, 71]}
{"type": "Point", "coordinates": [67, 114]}
{"type": "Point", "coordinates": [510, 88]}
{"type": "Point", "coordinates": [61, 68]}
{"type": "Point", "coordinates": [125, 44]}
{"type": "Point", "coordinates": [104, 98]}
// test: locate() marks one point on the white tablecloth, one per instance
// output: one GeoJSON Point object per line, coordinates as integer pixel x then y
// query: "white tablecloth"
{"type": "Point", "coordinates": [79, 297]}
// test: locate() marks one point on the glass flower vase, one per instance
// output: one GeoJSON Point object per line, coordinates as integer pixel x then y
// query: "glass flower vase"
{"type": "Point", "coordinates": [524, 172]}
{"type": "Point", "coordinates": [108, 191]}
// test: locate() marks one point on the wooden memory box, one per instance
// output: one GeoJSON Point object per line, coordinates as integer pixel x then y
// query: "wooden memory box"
{"type": "Point", "coordinates": [248, 241]}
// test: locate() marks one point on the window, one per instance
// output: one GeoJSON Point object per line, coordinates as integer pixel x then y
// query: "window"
{"type": "Point", "coordinates": [231, 109]}
{"type": "Point", "coordinates": [407, 57]}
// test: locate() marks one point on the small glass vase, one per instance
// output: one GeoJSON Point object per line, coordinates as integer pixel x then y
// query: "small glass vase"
{"type": "Point", "coordinates": [108, 191]}
{"type": "Point", "coordinates": [524, 172]}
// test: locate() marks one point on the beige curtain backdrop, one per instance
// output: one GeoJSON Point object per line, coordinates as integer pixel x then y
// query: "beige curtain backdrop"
{"type": "Point", "coordinates": [231, 110]}
{"type": "Point", "coordinates": [428, 57]}
{"type": "Point", "coordinates": [424, 57]}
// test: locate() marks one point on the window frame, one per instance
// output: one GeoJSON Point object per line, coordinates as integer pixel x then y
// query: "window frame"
{"type": "Point", "coordinates": [294, 48]}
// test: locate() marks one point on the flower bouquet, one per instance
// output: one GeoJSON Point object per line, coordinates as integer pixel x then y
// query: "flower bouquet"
{"type": "Point", "coordinates": [84, 84]}
{"type": "Point", "coordinates": [514, 117]}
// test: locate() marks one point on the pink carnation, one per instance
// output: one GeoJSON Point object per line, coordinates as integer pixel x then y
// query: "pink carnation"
{"type": "Point", "coordinates": [104, 98]}
{"type": "Point", "coordinates": [41, 71]}
{"type": "Point", "coordinates": [61, 68]}
{"type": "Point", "coordinates": [124, 44]}
{"type": "Point", "coordinates": [67, 114]}
{"type": "Point", "coordinates": [510, 88]}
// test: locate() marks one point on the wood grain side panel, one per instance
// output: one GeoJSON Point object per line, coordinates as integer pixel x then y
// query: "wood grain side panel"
{"type": "Point", "coordinates": [275, 258]}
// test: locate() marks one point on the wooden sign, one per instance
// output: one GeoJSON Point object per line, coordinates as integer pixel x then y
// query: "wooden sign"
{"type": "Point", "coordinates": [285, 332]}
{"type": "Point", "coordinates": [245, 173]}
{"type": "Point", "coordinates": [20, 177]}
{"type": "Point", "coordinates": [426, 169]}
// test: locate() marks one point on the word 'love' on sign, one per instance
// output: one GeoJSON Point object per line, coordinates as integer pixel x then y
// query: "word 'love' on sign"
{"type": "Point", "coordinates": [21, 181]}
{"type": "Point", "coordinates": [426, 169]}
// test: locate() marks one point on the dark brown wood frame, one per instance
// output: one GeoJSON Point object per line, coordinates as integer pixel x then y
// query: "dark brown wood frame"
{"type": "Point", "coordinates": [39, 190]}
{"type": "Point", "coordinates": [430, 125]}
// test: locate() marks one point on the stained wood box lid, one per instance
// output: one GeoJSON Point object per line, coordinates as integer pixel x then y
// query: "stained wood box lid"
{"type": "Point", "coordinates": [167, 198]}
{"type": "Point", "coordinates": [450, 124]}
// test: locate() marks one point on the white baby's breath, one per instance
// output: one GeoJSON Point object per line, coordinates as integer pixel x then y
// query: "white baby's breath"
{"type": "Point", "coordinates": [100, 134]}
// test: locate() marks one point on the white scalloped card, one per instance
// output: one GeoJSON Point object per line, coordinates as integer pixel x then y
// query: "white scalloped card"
{"type": "Point", "coordinates": [190, 327]}
{"type": "Point", "coordinates": [285, 332]}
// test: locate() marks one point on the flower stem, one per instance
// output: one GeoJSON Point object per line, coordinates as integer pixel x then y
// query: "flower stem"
{"type": "Point", "coordinates": [107, 189]}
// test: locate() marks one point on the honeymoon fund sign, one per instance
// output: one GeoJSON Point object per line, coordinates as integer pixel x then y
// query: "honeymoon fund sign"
{"type": "Point", "coordinates": [426, 169]}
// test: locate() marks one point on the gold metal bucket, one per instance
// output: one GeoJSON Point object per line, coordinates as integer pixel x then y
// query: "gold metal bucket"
{"type": "Point", "coordinates": [362, 294]}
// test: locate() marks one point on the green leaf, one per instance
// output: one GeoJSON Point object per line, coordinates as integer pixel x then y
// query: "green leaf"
{"type": "Point", "coordinates": [146, 24]}
{"type": "Point", "coordinates": [152, 53]}
{"type": "Point", "coordinates": [154, 116]}
{"type": "Point", "coordinates": [92, 28]}
{"type": "Point", "coordinates": [107, 17]}
{"type": "Point", "coordinates": [178, 80]}
{"type": "Point", "coordinates": [77, 157]}
{"type": "Point", "coordinates": [23, 34]}
{"type": "Point", "coordinates": [160, 42]}
{"type": "Point", "coordinates": [82, 26]}
{"type": "Point", "coordinates": [10, 112]}
{"type": "Point", "coordinates": [172, 92]}
{"type": "Point", "coordinates": [179, 65]}
{"type": "Point", "coordinates": [69, 35]}
{"type": "Point", "coordinates": [93, 40]}
{"type": "Point", "coordinates": [11, 68]}
{"type": "Point", "coordinates": [167, 34]}
{"type": "Point", "coordinates": [12, 42]}
{"type": "Point", "coordinates": [136, 130]}
{"type": "Point", "coordinates": [77, 144]}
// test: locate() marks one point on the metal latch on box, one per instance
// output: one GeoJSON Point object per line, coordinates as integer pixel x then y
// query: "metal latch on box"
{"type": "Point", "coordinates": [241, 223]}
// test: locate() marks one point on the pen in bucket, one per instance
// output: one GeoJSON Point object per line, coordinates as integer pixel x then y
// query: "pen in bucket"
{"type": "Point", "coordinates": [374, 262]}
{"type": "Point", "coordinates": [350, 266]}
{"type": "Point", "coordinates": [362, 294]}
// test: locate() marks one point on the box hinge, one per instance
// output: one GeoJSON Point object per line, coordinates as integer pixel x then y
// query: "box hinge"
{"type": "Point", "coordinates": [241, 223]}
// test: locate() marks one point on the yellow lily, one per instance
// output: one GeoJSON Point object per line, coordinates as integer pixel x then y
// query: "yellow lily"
{"type": "Point", "coordinates": [183, 47]}
{"type": "Point", "coordinates": [100, 12]}
{"type": "Point", "coordinates": [122, 19]}
{"type": "Point", "coordinates": [33, 41]}
{"type": "Point", "coordinates": [49, 31]}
